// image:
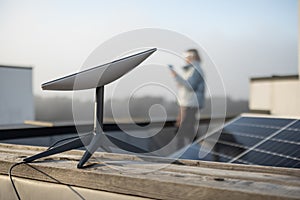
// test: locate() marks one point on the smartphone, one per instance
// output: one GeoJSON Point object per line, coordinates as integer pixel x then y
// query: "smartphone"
{"type": "Point", "coordinates": [171, 67]}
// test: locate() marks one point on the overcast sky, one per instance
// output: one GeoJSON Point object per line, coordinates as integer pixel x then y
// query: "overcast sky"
{"type": "Point", "coordinates": [245, 38]}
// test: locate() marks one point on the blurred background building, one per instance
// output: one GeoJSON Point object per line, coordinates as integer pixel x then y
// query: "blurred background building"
{"type": "Point", "coordinates": [16, 98]}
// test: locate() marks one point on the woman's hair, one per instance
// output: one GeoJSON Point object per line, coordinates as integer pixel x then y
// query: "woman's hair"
{"type": "Point", "coordinates": [195, 54]}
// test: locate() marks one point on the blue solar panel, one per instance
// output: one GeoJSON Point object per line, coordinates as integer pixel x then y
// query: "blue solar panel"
{"type": "Point", "coordinates": [285, 149]}
{"type": "Point", "coordinates": [279, 149]}
{"type": "Point", "coordinates": [296, 126]}
{"type": "Point", "coordinates": [261, 158]}
{"type": "Point", "coordinates": [256, 141]}
{"type": "Point", "coordinates": [288, 135]}
{"type": "Point", "coordinates": [249, 129]}
{"type": "Point", "coordinates": [241, 139]}
{"type": "Point", "coordinates": [272, 122]}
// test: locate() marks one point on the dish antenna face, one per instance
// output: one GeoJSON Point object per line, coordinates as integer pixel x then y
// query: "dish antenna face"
{"type": "Point", "coordinates": [98, 76]}
{"type": "Point", "coordinates": [95, 77]}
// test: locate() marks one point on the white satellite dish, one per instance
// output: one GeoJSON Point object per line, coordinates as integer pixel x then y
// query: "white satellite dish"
{"type": "Point", "coordinates": [95, 77]}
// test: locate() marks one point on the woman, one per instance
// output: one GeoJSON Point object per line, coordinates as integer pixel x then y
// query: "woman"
{"type": "Point", "coordinates": [191, 96]}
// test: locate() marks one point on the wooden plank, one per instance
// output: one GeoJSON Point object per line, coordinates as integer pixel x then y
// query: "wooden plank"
{"type": "Point", "coordinates": [125, 174]}
{"type": "Point", "coordinates": [30, 150]}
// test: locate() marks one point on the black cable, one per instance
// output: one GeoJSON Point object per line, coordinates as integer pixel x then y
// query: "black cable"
{"type": "Point", "coordinates": [59, 141]}
{"type": "Point", "coordinates": [11, 180]}
{"type": "Point", "coordinates": [65, 139]}
{"type": "Point", "coordinates": [15, 188]}
{"type": "Point", "coordinates": [19, 163]}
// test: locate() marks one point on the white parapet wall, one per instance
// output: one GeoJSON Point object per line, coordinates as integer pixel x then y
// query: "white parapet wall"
{"type": "Point", "coordinates": [16, 96]}
{"type": "Point", "coordinates": [260, 95]}
{"type": "Point", "coordinates": [286, 98]}
{"type": "Point", "coordinates": [276, 95]}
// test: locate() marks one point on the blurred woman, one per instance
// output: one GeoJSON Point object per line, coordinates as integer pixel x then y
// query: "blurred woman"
{"type": "Point", "coordinates": [191, 95]}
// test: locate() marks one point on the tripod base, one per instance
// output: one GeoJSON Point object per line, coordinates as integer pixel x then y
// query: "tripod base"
{"type": "Point", "coordinates": [94, 140]}
{"type": "Point", "coordinates": [93, 146]}
{"type": "Point", "coordinates": [91, 139]}
{"type": "Point", "coordinates": [102, 140]}
{"type": "Point", "coordinates": [73, 144]}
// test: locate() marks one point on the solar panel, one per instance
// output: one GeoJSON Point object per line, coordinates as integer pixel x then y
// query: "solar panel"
{"type": "Point", "coordinates": [288, 135]}
{"type": "Point", "coordinates": [253, 140]}
{"type": "Point", "coordinates": [295, 126]}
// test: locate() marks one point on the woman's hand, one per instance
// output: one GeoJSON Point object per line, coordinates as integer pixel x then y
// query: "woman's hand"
{"type": "Point", "coordinates": [172, 70]}
{"type": "Point", "coordinates": [173, 73]}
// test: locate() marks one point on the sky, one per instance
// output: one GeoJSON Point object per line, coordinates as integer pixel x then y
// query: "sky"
{"type": "Point", "coordinates": [244, 38]}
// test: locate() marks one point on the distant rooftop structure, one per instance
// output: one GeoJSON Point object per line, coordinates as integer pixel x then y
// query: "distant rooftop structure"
{"type": "Point", "coordinates": [276, 95]}
{"type": "Point", "coordinates": [16, 102]}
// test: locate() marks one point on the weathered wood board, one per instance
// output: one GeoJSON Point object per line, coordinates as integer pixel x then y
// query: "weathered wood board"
{"type": "Point", "coordinates": [155, 178]}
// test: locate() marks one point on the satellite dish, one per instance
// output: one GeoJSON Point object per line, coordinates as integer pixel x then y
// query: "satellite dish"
{"type": "Point", "coordinates": [98, 76]}
{"type": "Point", "coordinates": [95, 77]}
